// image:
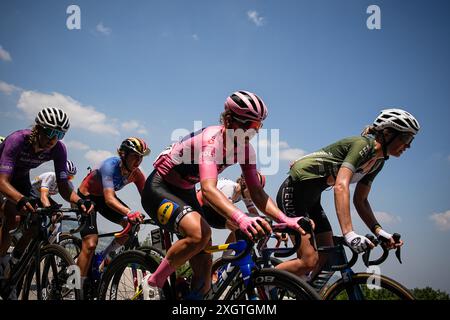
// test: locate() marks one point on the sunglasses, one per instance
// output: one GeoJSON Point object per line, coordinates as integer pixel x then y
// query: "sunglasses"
{"type": "Point", "coordinates": [51, 133]}
{"type": "Point", "coordinates": [249, 124]}
{"type": "Point", "coordinates": [406, 138]}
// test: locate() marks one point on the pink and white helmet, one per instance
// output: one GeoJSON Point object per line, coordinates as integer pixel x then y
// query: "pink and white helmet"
{"type": "Point", "coordinates": [246, 105]}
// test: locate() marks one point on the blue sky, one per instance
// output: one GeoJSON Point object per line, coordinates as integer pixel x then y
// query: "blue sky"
{"type": "Point", "coordinates": [149, 67]}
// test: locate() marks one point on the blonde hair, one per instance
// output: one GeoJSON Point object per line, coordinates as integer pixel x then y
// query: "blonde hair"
{"type": "Point", "coordinates": [33, 135]}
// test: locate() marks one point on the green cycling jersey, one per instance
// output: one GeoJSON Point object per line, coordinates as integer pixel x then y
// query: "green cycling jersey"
{"type": "Point", "coordinates": [355, 153]}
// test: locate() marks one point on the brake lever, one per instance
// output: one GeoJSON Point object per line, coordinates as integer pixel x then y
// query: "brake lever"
{"type": "Point", "coordinates": [396, 237]}
{"type": "Point", "coordinates": [366, 254]}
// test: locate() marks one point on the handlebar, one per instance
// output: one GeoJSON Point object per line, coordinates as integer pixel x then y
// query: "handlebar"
{"type": "Point", "coordinates": [304, 223]}
{"type": "Point", "coordinates": [128, 227]}
{"type": "Point", "coordinates": [383, 243]}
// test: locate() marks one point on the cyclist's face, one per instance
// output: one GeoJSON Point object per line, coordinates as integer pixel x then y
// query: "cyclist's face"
{"type": "Point", "coordinates": [400, 144]}
{"type": "Point", "coordinates": [45, 142]}
{"type": "Point", "coordinates": [133, 160]}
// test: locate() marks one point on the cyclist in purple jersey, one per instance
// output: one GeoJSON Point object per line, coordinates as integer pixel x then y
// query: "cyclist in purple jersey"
{"type": "Point", "coordinates": [169, 195]}
{"type": "Point", "coordinates": [22, 151]}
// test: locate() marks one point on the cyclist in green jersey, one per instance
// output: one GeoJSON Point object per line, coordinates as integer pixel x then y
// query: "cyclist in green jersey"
{"type": "Point", "coordinates": [350, 160]}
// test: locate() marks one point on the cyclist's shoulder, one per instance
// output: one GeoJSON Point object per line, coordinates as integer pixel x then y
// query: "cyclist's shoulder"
{"type": "Point", "coordinates": [212, 134]}
{"type": "Point", "coordinates": [18, 136]}
{"type": "Point", "coordinates": [358, 143]}
{"type": "Point", "coordinates": [110, 162]}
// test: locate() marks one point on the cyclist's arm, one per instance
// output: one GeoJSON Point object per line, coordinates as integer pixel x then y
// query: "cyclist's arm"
{"type": "Point", "coordinates": [362, 205]}
{"type": "Point", "coordinates": [112, 202]}
{"type": "Point", "coordinates": [66, 191]}
{"type": "Point", "coordinates": [8, 190]}
{"type": "Point", "coordinates": [216, 199]}
{"type": "Point", "coordinates": [263, 202]}
{"type": "Point", "coordinates": [44, 197]}
{"type": "Point", "coordinates": [139, 181]}
{"type": "Point", "coordinates": [342, 198]}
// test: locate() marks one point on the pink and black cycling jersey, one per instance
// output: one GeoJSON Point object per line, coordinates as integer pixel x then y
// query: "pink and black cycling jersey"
{"type": "Point", "coordinates": [203, 155]}
{"type": "Point", "coordinates": [17, 156]}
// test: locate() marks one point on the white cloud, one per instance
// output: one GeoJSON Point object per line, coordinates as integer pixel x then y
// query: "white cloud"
{"type": "Point", "coordinates": [264, 143]}
{"type": "Point", "coordinates": [195, 37]}
{"type": "Point", "coordinates": [291, 154]}
{"type": "Point", "coordinates": [96, 156]}
{"type": "Point", "coordinates": [254, 17]}
{"type": "Point", "coordinates": [134, 125]}
{"type": "Point", "coordinates": [142, 131]}
{"type": "Point", "coordinates": [72, 144]}
{"type": "Point", "coordinates": [7, 88]}
{"type": "Point", "coordinates": [386, 218]}
{"type": "Point", "coordinates": [285, 152]}
{"type": "Point", "coordinates": [130, 125]}
{"type": "Point", "coordinates": [103, 29]}
{"type": "Point", "coordinates": [84, 117]}
{"type": "Point", "coordinates": [441, 220]}
{"type": "Point", "coordinates": [4, 55]}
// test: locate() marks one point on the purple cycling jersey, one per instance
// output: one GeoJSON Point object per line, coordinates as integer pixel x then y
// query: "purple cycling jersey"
{"type": "Point", "coordinates": [203, 155]}
{"type": "Point", "coordinates": [17, 157]}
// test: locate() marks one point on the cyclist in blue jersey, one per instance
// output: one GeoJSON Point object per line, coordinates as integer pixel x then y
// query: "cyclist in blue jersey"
{"type": "Point", "coordinates": [100, 186]}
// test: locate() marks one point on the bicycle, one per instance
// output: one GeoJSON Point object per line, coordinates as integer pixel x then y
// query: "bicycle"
{"type": "Point", "coordinates": [99, 265]}
{"type": "Point", "coordinates": [351, 285]}
{"type": "Point", "coordinates": [244, 279]}
{"type": "Point", "coordinates": [40, 273]}
{"type": "Point", "coordinates": [361, 285]}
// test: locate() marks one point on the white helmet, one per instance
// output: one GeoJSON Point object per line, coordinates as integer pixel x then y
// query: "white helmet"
{"type": "Point", "coordinates": [397, 119]}
{"type": "Point", "coordinates": [71, 169]}
{"type": "Point", "coordinates": [53, 118]}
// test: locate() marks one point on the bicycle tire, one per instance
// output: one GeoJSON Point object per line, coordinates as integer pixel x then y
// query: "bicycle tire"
{"type": "Point", "coordinates": [287, 284]}
{"type": "Point", "coordinates": [71, 244]}
{"type": "Point", "coordinates": [112, 278]}
{"type": "Point", "coordinates": [52, 288]}
{"type": "Point", "coordinates": [392, 289]}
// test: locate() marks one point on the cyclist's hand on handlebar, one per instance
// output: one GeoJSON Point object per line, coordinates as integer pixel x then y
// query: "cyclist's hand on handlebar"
{"type": "Point", "coordinates": [357, 242]}
{"type": "Point", "coordinates": [135, 217]}
{"type": "Point", "coordinates": [387, 239]}
{"type": "Point", "coordinates": [297, 222]}
{"type": "Point", "coordinates": [253, 227]}
{"type": "Point", "coordinates": [25, 205]}
{"type": "Point", "coordinates": [85, 206]}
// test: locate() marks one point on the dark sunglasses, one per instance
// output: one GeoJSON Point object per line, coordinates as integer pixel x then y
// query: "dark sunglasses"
{"type": "Point", "coordinates": [249, 124]}
{"type": "Point", "coordinates": [406, 138]}
{"type": "Point", "coordinates": [51, 133]}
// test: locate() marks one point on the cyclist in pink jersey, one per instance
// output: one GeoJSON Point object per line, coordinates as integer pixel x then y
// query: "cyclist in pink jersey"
{"type": "Point", "coordinates": [169, 194]}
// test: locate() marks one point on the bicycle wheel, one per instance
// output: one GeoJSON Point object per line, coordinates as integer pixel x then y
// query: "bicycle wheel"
{"type": "Point", "coordinates": [372, 287]}
{"type": "Point", "coordinates": [122, 279]}
{"type": "Point", "coordinates": [54, 261]}
{"type": "Point", "coordinates": [272, 284]}
{"type": "Point", "coordinates": [72, 245]}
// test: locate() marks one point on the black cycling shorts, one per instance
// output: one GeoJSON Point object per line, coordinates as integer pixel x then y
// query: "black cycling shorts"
{"type": "Point", "coordinates": [167, 204]}
{"type": "Point", "coordinates": [302, 199]}
{"type": "Point", "coordinates": [90, 221]}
